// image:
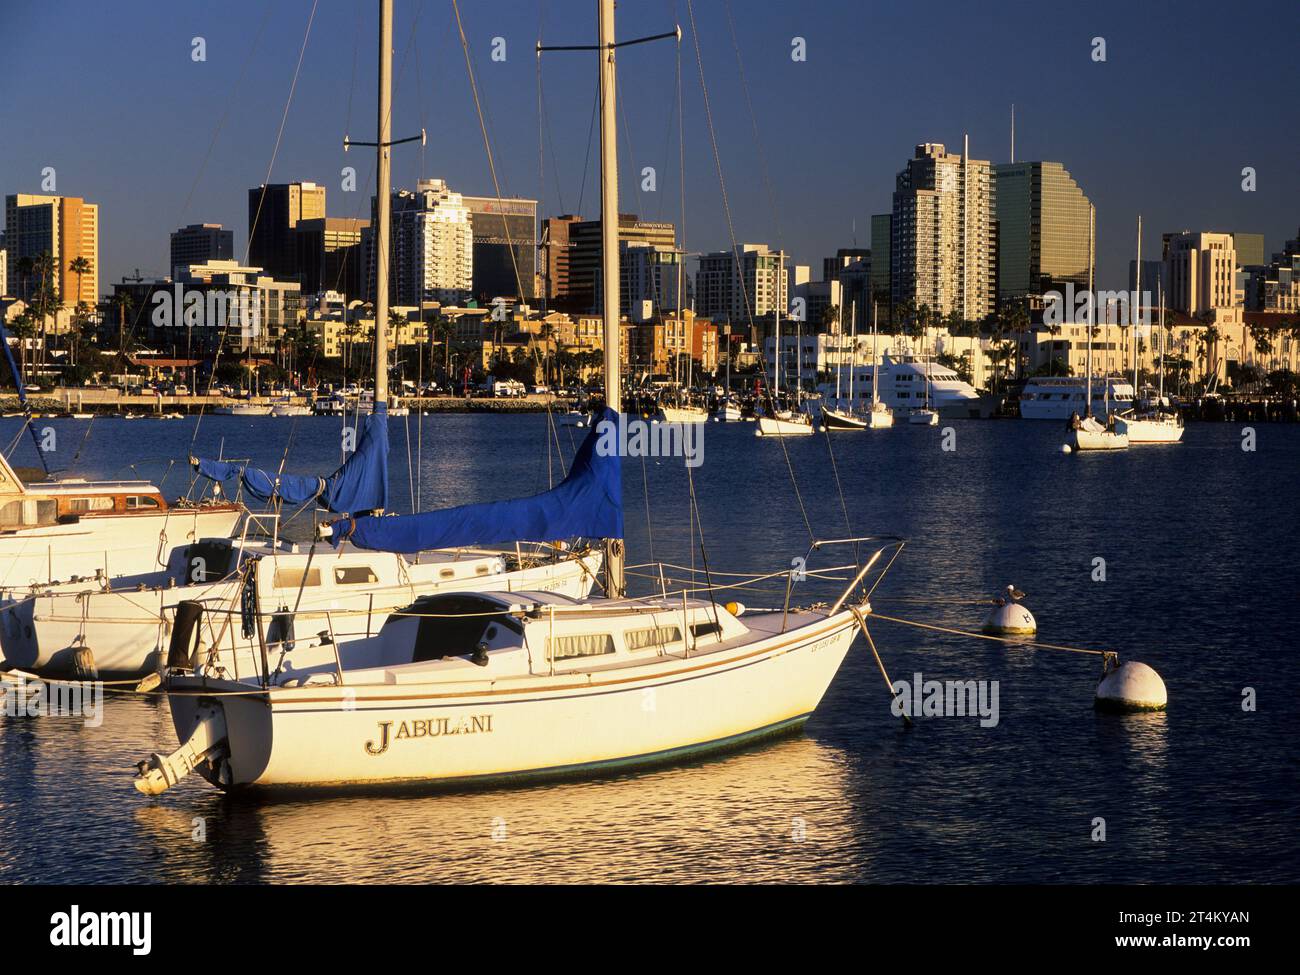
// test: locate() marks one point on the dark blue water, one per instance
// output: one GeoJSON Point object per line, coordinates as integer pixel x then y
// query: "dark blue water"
{"type": "Point", "coordinates": [1199, 542]}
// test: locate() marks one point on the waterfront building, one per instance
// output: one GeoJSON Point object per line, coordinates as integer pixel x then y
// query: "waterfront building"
{"type": "Point", "coordinates": [844, 256]}
{"type": "Point", "coordinates": [4, 266]}
{"type": "Point", "coordinates": [881, 233]}
{"type": "Point", "coordinates": [1250, 249]}
{"type": "Point", "coordinates": [943, 250]}
{"type": "Point", "coordinates": [584, 254]}
{"type": "Point", "coordinates": [198, 243]}
{"type": "Point", "coordinates": [328, 255]}
{"type": "Point", "coordinates": [66, 228]}
{"type": "Point", "coordinates": [737, 291]}
{"type": "Point", "coordinates": [504, 233]}
{"type": "Point", "coordinates": [557, 250]}
{"type": "Point", "coordinates": [650, 275]}
{"type": "Point", "coordinates": [274, 212]}
{"type": "Point", "coordinates": [432, 254]}
{"type": "Point", "coordinates": [1200, 272]}
{"type": "Point", "coordinates": [1042, 221]}
{"type": "Point", "coordinates": [1275, 287]}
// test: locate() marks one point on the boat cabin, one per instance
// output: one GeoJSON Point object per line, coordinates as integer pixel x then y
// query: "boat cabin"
{"type": "Point", "coordinates": [33, 503]}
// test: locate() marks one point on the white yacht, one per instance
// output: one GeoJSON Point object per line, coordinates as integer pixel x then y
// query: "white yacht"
{"type": "Point", "coordinates": [72, 528]}
{"type": "Point", "coordinates": [1057, 397]}
{"type": "Point", "coordinates": [902, 387]}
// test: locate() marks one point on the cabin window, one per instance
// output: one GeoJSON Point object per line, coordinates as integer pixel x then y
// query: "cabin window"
{"type": "Point", "coordinates": [135, 502]}
{"type": "Point", "coordinates": [30, 512]}
{"type": "Point", "coordinates": [446, 573]}
{"type": "Point", "coordinates": [294, 578]}
{"type": "Point", "coordinates": [706, 629]}
{"type": "Point", "coordinates": [354, 575]}
{"type": "Point", "coordinates": [654, 636]}
{"type": "Point", "coordinates": [12, 513]}
{"type": "Point", "coordinates": [586, 645]}
{"type": "Point", "coordinates": [79, 505]}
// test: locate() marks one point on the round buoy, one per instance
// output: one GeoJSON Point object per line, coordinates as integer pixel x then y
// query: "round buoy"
{"type": "Point", "coordinates": [1065, 448]}
{"type": "Point", "coordinates": [1009, 617]}
{"type": "Point", "coordinates": [1131, 686]}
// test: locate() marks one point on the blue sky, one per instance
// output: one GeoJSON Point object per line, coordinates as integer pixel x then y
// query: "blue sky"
{"type": "Point", "coordinates": [1190, 93]}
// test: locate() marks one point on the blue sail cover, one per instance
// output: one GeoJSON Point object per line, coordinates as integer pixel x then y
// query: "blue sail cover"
{"type": "Point", "coordinates": [587, 503]}
{"type": "Point", "coordinates": [361, 484]}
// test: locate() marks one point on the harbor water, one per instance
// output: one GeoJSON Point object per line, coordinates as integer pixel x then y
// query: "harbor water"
{"type": "Point", "coordinates": [1182, 557]}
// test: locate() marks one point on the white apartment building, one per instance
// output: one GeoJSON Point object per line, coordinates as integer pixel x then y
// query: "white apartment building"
{"type": "Point", "coordinates": [735, 291]}
{"type": "Point", "coordinates": [942, 246]}
{"type": "Point", "coordinates": [1201, 271]}
{"type": "Point", "coordinates": [432, 246]}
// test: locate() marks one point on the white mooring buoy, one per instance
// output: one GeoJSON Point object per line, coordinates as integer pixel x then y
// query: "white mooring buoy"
{"type": "Point", "coordinates": [1009, 617]}
{"type": "Point", "coordinates": [1131, 686]}
{"type": "Point", "coordinates": [1065, 448]}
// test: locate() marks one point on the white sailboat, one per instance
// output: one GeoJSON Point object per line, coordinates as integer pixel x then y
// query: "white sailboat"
{"type": "Point", "coordinates": [835, 418]}
{"type": "Point", "coordinates": [1151, 423]}
{"type": "Point", "coordinates": [1087, 432]}
{"type": "Point", "coordinates": [925, 416]}
{"type": "Point", "coordinates": [500, 686]}
{"type": "Point", "coordinates": [69, 528]}
{"type": "Point", "coordinates": [778, 422]}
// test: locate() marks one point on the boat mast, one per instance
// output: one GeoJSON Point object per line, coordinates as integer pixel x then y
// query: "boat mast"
{"type": "Point", "coordinates": [1092, 229]}
{"type": "Point", "coordinates": [776, 376]}
{"type": "Point", "coordinates": [853, 352]}
{"type": "Point", "coordinates": [615, 585]}
{"type": "Point", "coordinates": [383, 159]}
{"type": "Point", "coordinates": [1161, 326]}
{"type": "Point", "coordinates": [875, 360]}
{"type": "Point", "coordinates": [1135, 318]}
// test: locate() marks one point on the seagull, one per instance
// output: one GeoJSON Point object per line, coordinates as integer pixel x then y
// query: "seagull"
{"type": "Point", "coordinates": [1013, 593]}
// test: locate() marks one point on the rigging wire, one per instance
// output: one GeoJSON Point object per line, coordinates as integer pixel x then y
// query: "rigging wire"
{"type": "Point", "coordinates": [735, 247]}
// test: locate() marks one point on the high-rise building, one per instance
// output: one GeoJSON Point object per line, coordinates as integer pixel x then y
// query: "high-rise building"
{"type": "Point", "coordinates": [1250, 249]}
{"type": "Point", "coordinates": [584, 255]}
{"type": "Point", "coordinates": [943, 238]}
{"type": "Point", "coordinates": [199, 243]}
{"type": "Point", "coordinates": [736, 291]}
{"type": "Point", "coordinates": [505, 247]}
{"type": "Point", "coordinates": [557, 251]}
{"type": "Point", "coordinates": [1275, 287]}
{"type": "Point", "coordinates": [274, 211]}
{"type": "Point", "coordinates": [881, 232]}
{"type": "Point", "coordinates": [432, 246]}
{"type": "Point", "coordinates": [831, 266]}
{"type": "Point", "coordinates": [329, 255]}
{"type": "Point", "coordinates": [651, 273]}
{"type": "Point", "coordinates": [4, 265]}
{"type": "Point", "coordinates": [66, 228]}
{"type": "Point", "coordinates": [1042, 217]}
{"type": "Point", "coordinates": [1200, 272]}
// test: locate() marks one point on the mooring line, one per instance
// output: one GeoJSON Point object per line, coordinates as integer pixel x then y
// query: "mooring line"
{"type": "Point", "coordinates": [988, 636]}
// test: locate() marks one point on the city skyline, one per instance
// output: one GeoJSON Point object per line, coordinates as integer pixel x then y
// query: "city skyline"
{"type": "Point", "coordinates": [829, 153]}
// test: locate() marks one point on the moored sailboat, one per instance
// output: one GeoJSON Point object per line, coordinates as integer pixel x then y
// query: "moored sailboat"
{"type": "Point", "coordinates": [512, 686]}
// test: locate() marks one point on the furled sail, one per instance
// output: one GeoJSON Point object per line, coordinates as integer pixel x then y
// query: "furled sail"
{"type": "Point", "coordinates": [361, 484]}
{"type": "Point", "coordinates": [588, 503]}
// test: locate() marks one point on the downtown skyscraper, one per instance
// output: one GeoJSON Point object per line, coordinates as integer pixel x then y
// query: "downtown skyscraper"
{"type": "Point", "coordinates": [943, 242]}
{"type": "Point", "coordinates": [1042, 219]}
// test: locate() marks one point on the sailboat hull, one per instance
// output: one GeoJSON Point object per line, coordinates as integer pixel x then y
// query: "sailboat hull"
{"type": "Point", "coordinates": [523, 728]}
{"type": "Point", "coordinates": [1148, 430]}
{"type": "Point", "coordinates": [839, 420]}
{"type": "Point", "coordinates": [128, 631]}
{"type": "Point", "coordinates": [1098, 440]}
{"type": "Point", "coordinates": [770, 426]}
{"type": "Point", "coordinates": [684, 414]}
{"type": "Point", "coordinates": [115, 545]}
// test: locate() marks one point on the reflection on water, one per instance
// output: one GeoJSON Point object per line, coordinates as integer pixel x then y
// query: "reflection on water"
{"type": "Point", "coordinates": [1201, 793]}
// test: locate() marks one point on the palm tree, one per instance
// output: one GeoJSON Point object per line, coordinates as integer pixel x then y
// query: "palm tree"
{"type": "Point", "coordinates": [79, 266]}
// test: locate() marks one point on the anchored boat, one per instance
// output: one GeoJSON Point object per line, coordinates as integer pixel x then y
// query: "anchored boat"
{"type": "Point", "coordinates": [506, 686]}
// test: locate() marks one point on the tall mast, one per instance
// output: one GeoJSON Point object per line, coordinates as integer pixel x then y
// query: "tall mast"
{"type": "Point", "coordinates": [1161, 326]}
{"type": "Point", "coordinates": [853, 348]}
{"type": "Point", "coordinates": [383, 193]}
{"type": "Point", "coordinates": [1092, 230]}
{"type": "Point", "coordinates": [615, 585]}
{"type": "Point", "coordinates": [776, 376]}
{"type": "Point", "coordinates": [875, 360]}
{"type": "Point", "coordinates": [1135, 319]}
